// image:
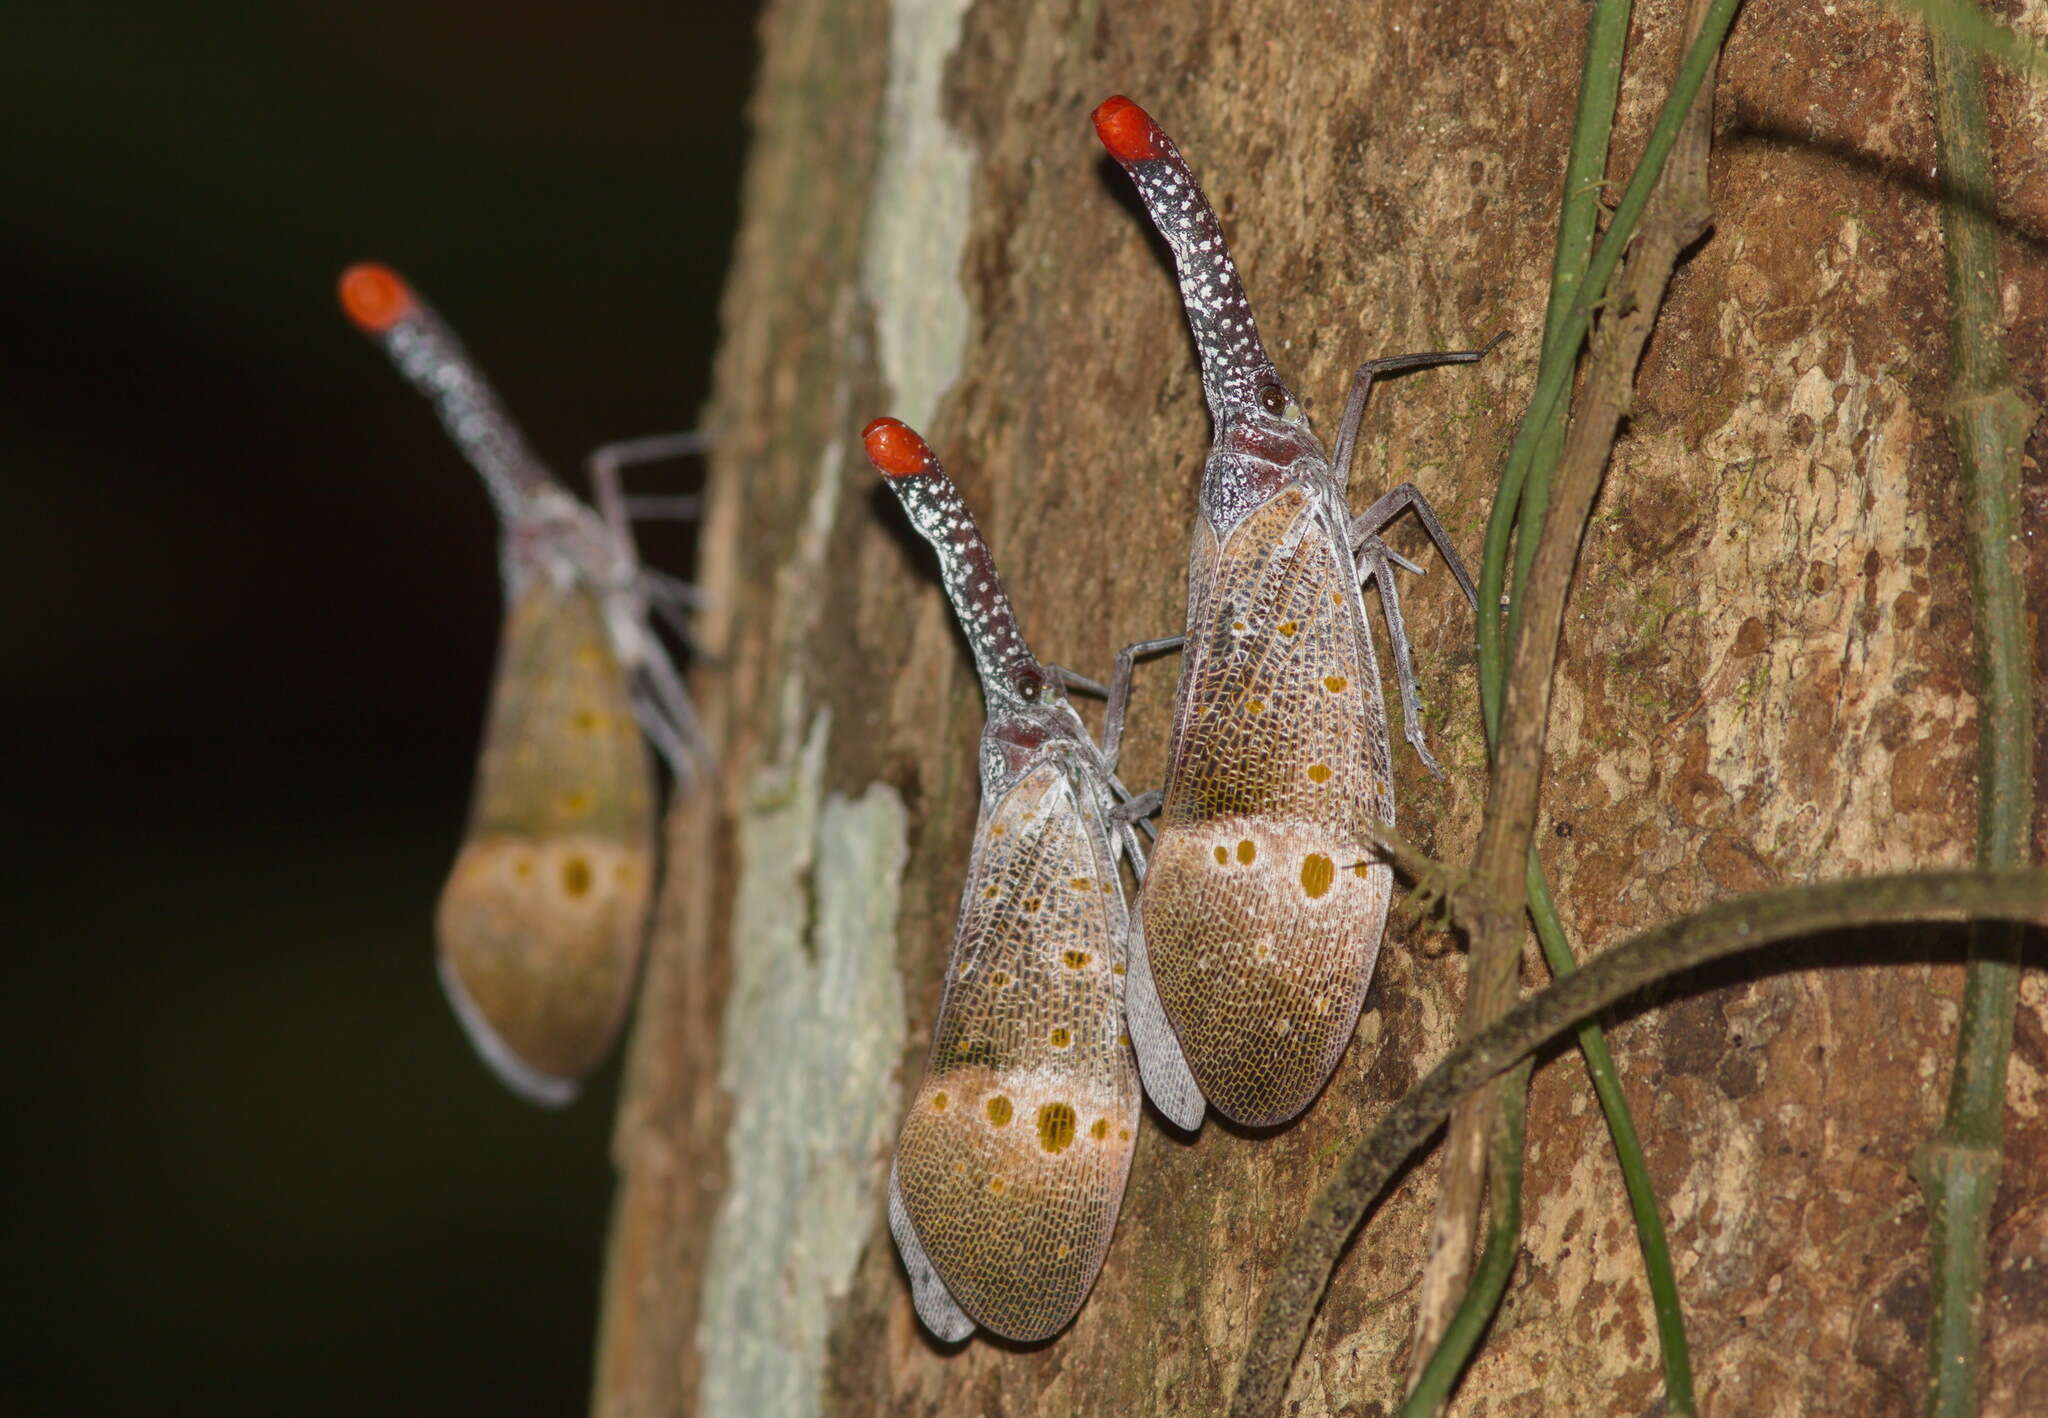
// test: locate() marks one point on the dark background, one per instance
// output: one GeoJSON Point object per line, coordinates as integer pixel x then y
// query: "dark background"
{"type": "Point", "coordinates": [250, 1163]}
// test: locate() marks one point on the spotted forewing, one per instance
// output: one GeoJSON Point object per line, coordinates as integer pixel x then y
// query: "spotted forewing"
{"type": "Point", "coordinates": [541, 923]}
{"type": "Point", "coordinates": [1011, 1165]}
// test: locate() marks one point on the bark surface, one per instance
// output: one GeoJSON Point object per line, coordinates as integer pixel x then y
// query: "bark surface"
{"type": "Point", "coordinates": [1766, 679]}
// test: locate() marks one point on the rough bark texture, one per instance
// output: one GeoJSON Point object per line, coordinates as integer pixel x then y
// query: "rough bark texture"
{"type": "Point", "coordinates": [1766, 679]}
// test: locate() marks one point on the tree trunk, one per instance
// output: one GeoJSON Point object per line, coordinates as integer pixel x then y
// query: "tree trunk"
{"type": "Point", "coordinates": [1766, 679]}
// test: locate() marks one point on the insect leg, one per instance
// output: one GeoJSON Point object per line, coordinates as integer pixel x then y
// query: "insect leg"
{"type": "Point", "coordinates": [1361, 385]}
{"type": "Point", "coordinates": [1135, 807]}
{"type": "Point", "coordinates": [674, 588]}
{"type": "Point", "coordinates": [606, 463]}
{"type": "Point", "coordinates": [1079, 681]}
{"type": "Point", "coordinates": [1392, 504]}
{"type": "Point", "coordinates": [1120, 690]}
{"type": "Point", "coordinates": [665, 712]}
{"type": "Point", "coordinates": [935, 1304]}
{"type": "Point", "coordinates": [1127, 836]}
{"type": "Point", "coordinates": [1375, 564]}
{"type": "Point", "coordinates": [672, 598]}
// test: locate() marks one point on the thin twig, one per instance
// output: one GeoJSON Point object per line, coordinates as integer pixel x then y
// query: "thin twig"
{"type": "Point", "coordinates": [1958, 1167]}
{"type": "Point", "coordinates": [1725, 928]}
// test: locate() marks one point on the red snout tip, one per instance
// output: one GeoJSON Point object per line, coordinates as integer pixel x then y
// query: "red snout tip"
{"type": "Point", "coordinates": [896, 450]}
{"type": "Point", "coordinates": [375, 297]}
{"type": "Point", "coordinates": [1128, 131]}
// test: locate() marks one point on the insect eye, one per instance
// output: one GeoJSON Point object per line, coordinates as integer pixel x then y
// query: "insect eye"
{"type": "Point", "coordinates": [1273, 399]}
{"type": "Point", "coordinates": [1028, 685]}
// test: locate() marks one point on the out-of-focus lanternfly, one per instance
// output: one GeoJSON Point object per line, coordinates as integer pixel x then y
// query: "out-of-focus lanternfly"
{"type": "Point", "coordinates": [1266, 898]}
{"type": "Point", "coordinates": [541, 923]}
{"type": "Point", "coordinates": [1011, 1166]}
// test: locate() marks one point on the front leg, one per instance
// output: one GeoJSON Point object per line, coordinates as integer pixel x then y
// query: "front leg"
{"type": "Point", "coordinates": [1120, 691]}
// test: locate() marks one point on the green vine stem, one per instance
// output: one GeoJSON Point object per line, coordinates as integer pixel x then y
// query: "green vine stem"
{"type": "Point", "coordinates": [1578, 220]}
{"type": "Point", "coordinates": [1680, 214]}
{"type": "Point", "coordinates": [1726, 928]}
{"type": "Point", "coordinates": [1958, 1167]}
{"type": "Point", "coordinates": [1503, 1242]}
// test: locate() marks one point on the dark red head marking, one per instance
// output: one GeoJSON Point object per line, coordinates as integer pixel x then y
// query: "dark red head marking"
{"type": "Point", "coordinates": [896, 450]}
{"type": "Point", "coordinates": [1128, 131]}
{"type": "Point", "coordinates": [375, 297]}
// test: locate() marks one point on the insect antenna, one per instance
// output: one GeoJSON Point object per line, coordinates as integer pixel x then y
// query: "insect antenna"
{"type": "Point", "coordinates": [426, 352]}
{"type": "Point", "coordinates": [1007, 668]}
{"type": "Point", "coordinates": [1235, 369]}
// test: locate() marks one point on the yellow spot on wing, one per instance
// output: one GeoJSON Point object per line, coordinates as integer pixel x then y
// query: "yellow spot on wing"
{"type": "Point", "coordinates": [999, 1110]}
{"type": "Point", "coordinates": [1100, 1130]}
{"type": "Point", "coordinates": [1335, 683]}
{"type": "Point", "coordinates": [1222, 855]}
{"type": "Point", "coordinates": [939, 1101]}
{"type": "Point", "coordinates": [1061, 1037]}
{"type": "Point", "coordinates": [1247, 851]}
{"type": "Point", "coordinates": [1319, 772]}
{"type": "Point", "coordinates": [995, 1184]}
{"type": "Point", "coordinates": [1055, 1127]}
{"type": "Point", "coordinates": [1032, 903]}
{"type": "Point", "coordinates": [1076, 959]}
{"type": "Point", "coordinates": [1288, 627]}
{"type": "Point", "coordinates": [1317, 872]}
{"type": "Point", "coordinates": [576, 877]}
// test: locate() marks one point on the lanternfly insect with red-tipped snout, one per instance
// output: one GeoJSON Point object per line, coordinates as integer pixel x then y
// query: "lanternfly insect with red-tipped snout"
{"type": "Point", "coordinates": [541, 923]}
{"type": "Point", "coordinates": [1261, 917]}
{"type": "Point", "coordinates": [1011, 1166]}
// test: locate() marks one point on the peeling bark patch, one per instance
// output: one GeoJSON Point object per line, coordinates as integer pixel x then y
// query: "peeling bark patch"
{"type": "Point", "coordinates": [917, 223]}
{"type": "Point", "coordinates": [813, 1030]}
